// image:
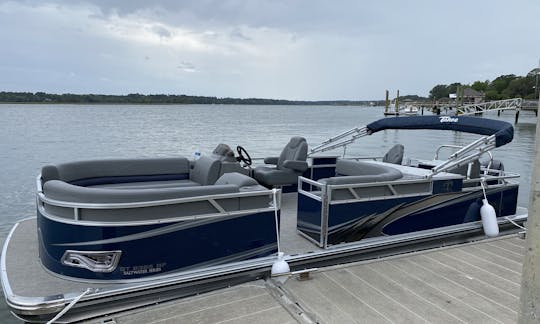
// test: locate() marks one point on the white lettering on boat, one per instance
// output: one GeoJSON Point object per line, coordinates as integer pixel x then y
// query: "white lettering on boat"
{"type": "Point", "coordinates": [448, 119]}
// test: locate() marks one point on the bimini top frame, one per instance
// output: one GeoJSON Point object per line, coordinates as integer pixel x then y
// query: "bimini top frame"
{"type": "Point", "coordinates": [497, 133]}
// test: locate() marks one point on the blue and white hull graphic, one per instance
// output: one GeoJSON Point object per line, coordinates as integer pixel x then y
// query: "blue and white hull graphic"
{"type": "Point", "coordinates": [354, 221]}
{"type": "Point", "coordinates": [128, 252]}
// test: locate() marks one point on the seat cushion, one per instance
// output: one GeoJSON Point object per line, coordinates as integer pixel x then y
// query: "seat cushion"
{"type": "Point", "coordinates": [269, 176]}
{"type": "Point", "coordinates": [59, 190]}
{"type": "Point", "coordinates": [149, 184]}
{"type": "Point", "coordinates": [235, 178]}
{"type": "Point", "coordinates": [352, 172]}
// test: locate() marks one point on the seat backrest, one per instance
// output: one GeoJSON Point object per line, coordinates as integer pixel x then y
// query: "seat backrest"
{"type": "Point", "coordinates": [206, 170]}
{"type": "Point", "coordinates": [394, 155]}
{"type": "Point", "coordinates": [94, 169]}
{"type": "Point", "coordinates": [295, 150]}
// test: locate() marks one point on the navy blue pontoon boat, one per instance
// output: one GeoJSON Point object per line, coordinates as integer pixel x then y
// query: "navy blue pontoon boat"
{"type": "Point", "coordinates": [142, 230]}
{"type": "Point", "coordinates": [371, 198]}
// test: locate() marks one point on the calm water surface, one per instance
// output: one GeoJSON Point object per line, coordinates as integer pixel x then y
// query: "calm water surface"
{"type": "Point", "coordinates": [34, 135]}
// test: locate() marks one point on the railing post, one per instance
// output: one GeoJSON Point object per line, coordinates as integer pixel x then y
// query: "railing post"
{"type": "Point", "coordinates": [325, 201]}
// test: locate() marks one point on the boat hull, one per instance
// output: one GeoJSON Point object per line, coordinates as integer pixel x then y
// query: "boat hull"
{"type": "Point", "coordinates": [327, 222]}
{"type": "Point", "coordinates": [37, 300]}
{"type": "Point", "coordinates": [147, 250]}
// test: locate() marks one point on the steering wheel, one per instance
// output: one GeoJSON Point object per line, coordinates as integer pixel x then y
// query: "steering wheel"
{"type": "Point", "coordinates": [241, 151]}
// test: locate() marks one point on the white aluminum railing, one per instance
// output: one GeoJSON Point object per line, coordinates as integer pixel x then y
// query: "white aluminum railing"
{"type": "Point", "coordinates": [340, 140]}
{"type": "Point", "coordinates": [506, 104]}
{"type": "Point", "coordinates": [211, 199]}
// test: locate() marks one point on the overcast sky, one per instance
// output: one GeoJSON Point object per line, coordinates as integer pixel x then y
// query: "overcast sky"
{"type": "Point", "coordinates": [308, 50]}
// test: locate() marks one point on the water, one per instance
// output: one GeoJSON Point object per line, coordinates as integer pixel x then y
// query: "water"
{"type": "Point", "coordinates": [34, 135]}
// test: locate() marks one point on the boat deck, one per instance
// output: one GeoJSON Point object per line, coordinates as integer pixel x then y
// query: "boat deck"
{"type": "Point", "coordinates": [24, 263]}
{"type": "Point", "coordinates": [470, 283]}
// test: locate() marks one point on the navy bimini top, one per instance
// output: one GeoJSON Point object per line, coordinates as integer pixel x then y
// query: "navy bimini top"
{"type": "Point", "coordinates": [503, 131]}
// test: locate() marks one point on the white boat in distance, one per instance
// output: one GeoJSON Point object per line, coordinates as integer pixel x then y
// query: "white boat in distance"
{"type": "Point", "coordinates": [409, 110]}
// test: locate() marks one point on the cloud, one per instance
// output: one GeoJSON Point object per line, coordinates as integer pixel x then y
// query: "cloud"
{"type": "Point", "coordinates": [161, 31]}
{"type": "Point", "coordinates": [280, 49]}
{"type": "Point", "coordinates": [238, 34]}
{"type": "Point", "coordinates": [186, 67]}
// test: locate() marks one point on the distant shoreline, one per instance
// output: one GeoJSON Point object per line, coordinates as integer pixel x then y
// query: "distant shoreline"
{"type": "Point", "coordinates": [139, 99]}
{"type": "Point", "coordinates": [173, 104]}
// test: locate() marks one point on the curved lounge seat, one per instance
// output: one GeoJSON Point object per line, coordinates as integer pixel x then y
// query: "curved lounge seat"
{"type": "Point", "coordinates": [288, 166]}
{"type": "Point", "coordinates": [230, 183]}
{"type": "Point", "coordinates": [143, 173]}
{"type": "Point", "coordinates": [128, 181]}
{"type": "Point", "coordinates": [351, 172]}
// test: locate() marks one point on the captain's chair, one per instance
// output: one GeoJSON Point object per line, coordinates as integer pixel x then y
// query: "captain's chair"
{"type": "Point", "coordinates": [288, 166]}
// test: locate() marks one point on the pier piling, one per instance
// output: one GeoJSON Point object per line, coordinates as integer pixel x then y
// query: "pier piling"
{"type": "Point", "coordinates": [386, 103]}
{"type": "Point", "coordinates": [530, 280]}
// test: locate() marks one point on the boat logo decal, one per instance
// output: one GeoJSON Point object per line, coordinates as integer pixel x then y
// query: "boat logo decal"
{"type": "Point", "coordinates": [448, 119]}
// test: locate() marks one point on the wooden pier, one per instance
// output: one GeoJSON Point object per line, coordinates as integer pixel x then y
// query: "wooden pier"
{"type": "Point", "coordinates": [469, 283]}
{"type": "Point", "coordinates": [452, 108]}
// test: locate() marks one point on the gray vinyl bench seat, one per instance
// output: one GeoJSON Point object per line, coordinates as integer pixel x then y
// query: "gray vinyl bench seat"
{"type": "Point", "coordinates": [58, 182]}
{"type": "Point", "coordinates": [226, 184]}
{"type": "Point", "coordinates": [229, 185]}
{"type": "Point", "coordinates": [353, 173]}
{"type": "Point", "coordinates": [148, 180]}
{"type": "Point", "coordinates": [141, 173]}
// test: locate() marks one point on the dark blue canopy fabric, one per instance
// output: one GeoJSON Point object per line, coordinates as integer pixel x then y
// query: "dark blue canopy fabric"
{"type": "Point", "coordinates": [504, 132]}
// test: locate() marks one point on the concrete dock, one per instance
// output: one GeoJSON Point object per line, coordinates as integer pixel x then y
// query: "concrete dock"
{"type": "Point", "coordinates": [469, 283]}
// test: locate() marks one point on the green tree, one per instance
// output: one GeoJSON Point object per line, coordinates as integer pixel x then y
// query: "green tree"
{"type": "Point", "coordinates": [492, 94]}
{"type": "Point", "coordinates": [452, 88]}
{"type": "Point", "coordinates": [480, 86]}
{"type": "Point", "coordinates": [519, 87]}
{"type": "Point", "coordinates": [439, 91]}
{"type": "Point", "coordinates": [501, 82]}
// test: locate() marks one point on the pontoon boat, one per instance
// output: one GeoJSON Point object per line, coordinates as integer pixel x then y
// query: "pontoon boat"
{"type": "Point", "coordinates": [117, 234]}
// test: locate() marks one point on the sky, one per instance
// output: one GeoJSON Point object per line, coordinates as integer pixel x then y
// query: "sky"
{"type": "Point", "coordinates": [282, 49]}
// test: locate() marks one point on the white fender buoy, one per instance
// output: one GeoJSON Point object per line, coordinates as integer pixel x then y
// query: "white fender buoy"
{"type": "Point", "coordinates": [280, 267]}
{"type": "Point", "coordinates": [489, 219]}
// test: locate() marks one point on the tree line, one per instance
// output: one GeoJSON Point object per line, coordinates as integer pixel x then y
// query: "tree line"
{"type": "Point", "coordinates": [135, 98]}
{"type": "Point", "coordinates": [503, 87]}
